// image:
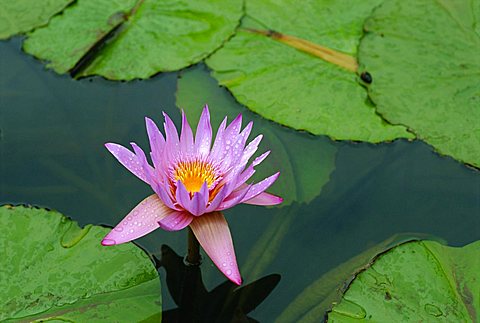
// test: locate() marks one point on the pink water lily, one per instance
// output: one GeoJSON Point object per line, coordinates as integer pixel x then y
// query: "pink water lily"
{"type": "Point", "coordinates": [193, 181]}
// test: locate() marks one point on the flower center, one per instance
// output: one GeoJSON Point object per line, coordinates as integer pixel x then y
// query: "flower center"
{"type": "Point", "coordinates": [194, 173]}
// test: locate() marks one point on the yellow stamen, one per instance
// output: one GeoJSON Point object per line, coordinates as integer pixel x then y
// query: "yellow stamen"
{"type": "Point", "coordinates": [194, 173]}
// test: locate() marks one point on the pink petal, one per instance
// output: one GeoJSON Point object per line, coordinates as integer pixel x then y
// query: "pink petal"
{"type": "Point", "coordinates": [157, 142]}
{"type": "Point", "coordinates": [218, 144]}
{"type": "Point", "coordinates": [163, 193]}
{"type": "Point", "coordinates": [217, 199]}
{"type": "Point", "coordinates": [203, 137]}
{"type": "Point", "coordinates": [176, 221]}
{"type": "Point", "coordinates": [212, 233]}
{"type": "Point", "coordinates": [172, 141]}
{"type": "Point", "coordinates": [142, 159]}
{"type": "Point", "coordinates": [233, 128]}
{"type": "Point", "coordinates": [182, 196]}
{"type": "Point", "coordinates": [250, 150]}
{"type": "Point", "coordinates": [264, 199]}
{"type": "Point", "coordinates": [186, 137]}
{"type": "Point", "coordinates": [260, 187]}
{"type": "Point", "coordinates": [234, 198]}
{"type": "Point", "coordinates": [199, 201]}
{"type": "Point", "coordinates": [128, 159]}
{"type": "Point", "coordinates": [247, 173]}
{"type": "Point", "coordinates": [141, 220]}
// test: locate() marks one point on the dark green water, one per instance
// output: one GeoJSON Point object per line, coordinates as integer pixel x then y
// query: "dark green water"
{"type": "Point", "coordinates": [51, 154]}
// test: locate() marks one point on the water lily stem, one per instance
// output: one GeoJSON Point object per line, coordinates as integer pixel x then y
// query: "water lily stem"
{"type": "Point", "coordinates": [193, 253]}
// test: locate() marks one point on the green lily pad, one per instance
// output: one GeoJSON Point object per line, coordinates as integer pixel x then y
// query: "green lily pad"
{"type": "Point", "coordinates": [52, 269]}
{"type": "Point", "coordinates": [415, 281]}
{"type": "Point", "coordinates": [425, 62]}
{"type": "Point", "coordinates": [127, 39]}
{"type": "Point", "coordinates": [305, 162]}
{"type": "Point", "coordinates": [297, 89]}
{"type": "Point", "coordinates": [20, 16]}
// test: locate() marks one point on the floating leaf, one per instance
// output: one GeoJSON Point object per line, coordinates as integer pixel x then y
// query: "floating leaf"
{"type": "Point", "coordinates": [129, 39]}
{"type": "Point", "coordinates": [20, 16]}
{"type": "Point", "coordinates": [424, 57]}
{"type": "Point", "coordinates": [305, 162]}
{"type": "Point", "coordinates": [415, 281]}
{"type": "Point", "coordinates": [57, 270]}
{"type": "Point", "coordinates": [291, 86]}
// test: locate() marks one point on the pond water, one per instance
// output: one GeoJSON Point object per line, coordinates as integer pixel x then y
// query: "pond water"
{"type": "Point", "coordinates": [52, 131]}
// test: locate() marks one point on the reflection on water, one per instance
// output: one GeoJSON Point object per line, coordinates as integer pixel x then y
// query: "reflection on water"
{"type": "Point", "coordinates": [51, 148]}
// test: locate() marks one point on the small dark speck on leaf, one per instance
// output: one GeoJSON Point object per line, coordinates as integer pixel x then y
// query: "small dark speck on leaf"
{"type": "Point", "coordinates": [366, 77]}
{"type": "Point", "coordinates": [388, 296]}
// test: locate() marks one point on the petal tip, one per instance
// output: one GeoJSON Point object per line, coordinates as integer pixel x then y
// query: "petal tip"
{"type": "Point", "coordinates": [108, 242]}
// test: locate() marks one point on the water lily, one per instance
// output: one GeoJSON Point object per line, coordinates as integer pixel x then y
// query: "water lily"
{"type": "Point", "coordinates": [193, 182]}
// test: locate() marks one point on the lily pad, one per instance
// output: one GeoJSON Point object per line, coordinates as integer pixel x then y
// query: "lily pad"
{"type": "Point", "coordinates": [127, 39]}
{"type": "Point", "coordinates": [425, 62]}
{"type": "Point", "coordinates": [415, 281]}
{"type": "Point", "coordinates": [20, 16]}
{"type": "Point", "coordinates": [305, 162]}
{"type": "Point", "coordinates": [295, 88]}
{"type": "Point", "coordinates": [56, 270]}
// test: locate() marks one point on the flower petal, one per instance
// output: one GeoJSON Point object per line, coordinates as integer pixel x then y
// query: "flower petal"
{"type": "Point", "coordinates": [260, 187]}
{"type": "Point", "coordinates": [203, 136]}
{"type": "Point", "coordinates": [172, 141]}
{"type": "Point", "coordinates": [157, 142]}
{"type": "Point", "coordinates": [176, 221]}
{"type": "Point", "coordinates": [236, 197]}
{"type": "Point", "coordinates": [142, 159]}
{"type": "Point", "coordinates": [186, 136]}
{"type": "Point", "coordinates": [199, 201]}
{"type": "Point", "coordinates": [247, 173]}
{"type": "Point", "coordinates": [127, 159]}
{"type": "Point", "coordinates": [264, 199]}
{"type": "Point", "coordinates": [213, 234]}
{"type": "Point", "coordinates": [217, 199]}
{"type": "Point", "coordinates": [141, 220]}
{"type": "Point", "coordinates": [182, 196]}
{"type": "Point", "coordinates": [218, 144]}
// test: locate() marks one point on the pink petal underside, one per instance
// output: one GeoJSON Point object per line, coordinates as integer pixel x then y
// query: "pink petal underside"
{"type": "Point", "coordinates": [157, 142]}
{"type": "Point", "coordinates": [127, 159]}
{"type": "Point", "coordinates": [212, 232]}
{"type": "Point", "coordinates": [203, 136]}
{"type": "Point", "coordinates": [260, 187]}
{"type": "Point", "coordinates": [176, 221]}
{"type": "Point", "coordinates": [186, 137]}
{"type": "Point", "coordinates": [265, 199]}
{"type": "Point", "coordinates": [141, 220]}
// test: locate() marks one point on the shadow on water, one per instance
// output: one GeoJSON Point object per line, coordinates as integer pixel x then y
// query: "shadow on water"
{"type": "Point", "coordinates": [52, 131]}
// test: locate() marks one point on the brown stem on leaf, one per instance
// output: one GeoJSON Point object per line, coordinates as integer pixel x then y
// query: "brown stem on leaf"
{"type": "Point", "coordinates": [329, 55]}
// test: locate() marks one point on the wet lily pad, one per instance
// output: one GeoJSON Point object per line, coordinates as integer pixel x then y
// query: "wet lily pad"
{"type": "Point", "coordinates": [415, 281]}
{"type": "Point", "coordinates": [20, 16]}
{"type": "Point", "coordinates": [305, 162]}
{"type": "Point", "coordinates": [425, 62]}
{"type": "Point", "coordinates": [56, 270]}
{"type": "Point", "coordinates": [127, 39]}
{"type": "Point", "coordinates": [295, 88]}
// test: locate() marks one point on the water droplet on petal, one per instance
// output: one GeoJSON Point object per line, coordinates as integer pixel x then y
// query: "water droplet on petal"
{"type": "Point", "coordinates": [119, 229]}
{"type": "Point", "coordinates": [229, 272]}
{"type": "Point", "coordinates": [224, 264]}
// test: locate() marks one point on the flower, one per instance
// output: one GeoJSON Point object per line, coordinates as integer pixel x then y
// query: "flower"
{"type": "Point", "coordinates": [193, 181]}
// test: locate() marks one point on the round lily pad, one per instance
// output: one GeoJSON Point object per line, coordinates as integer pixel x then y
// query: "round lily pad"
{"type": "Point", "coordinates": [424, 57]}
{"type": "Point", "coordinates": [52, 269]}
{"type": "Point", "coordinates": [418, 281]}
{"type": "Point", "coordinates": [127, 39]}
{"type": "Point", "coordinates": [20, 16]}
{"type": "Point", "coordinates": [295, 88]}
